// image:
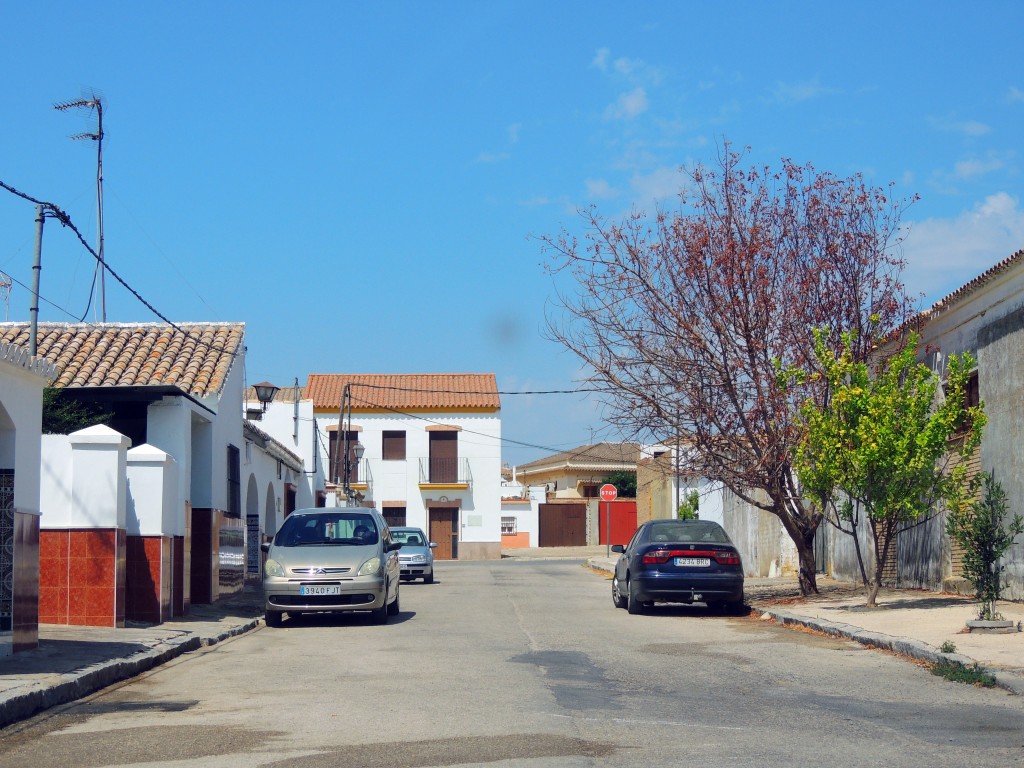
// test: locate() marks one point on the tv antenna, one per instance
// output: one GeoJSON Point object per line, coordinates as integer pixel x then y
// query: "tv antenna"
{"type": "Point", "coordinates": [94, 103]}
{"type": "Point", "coordinates": [5, 293]}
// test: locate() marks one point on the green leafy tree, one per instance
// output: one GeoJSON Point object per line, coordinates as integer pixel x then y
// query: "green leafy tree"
{"type": "Point", "coordinates": [980, 529]}
{"type": "Point", "coordinates": [689, 509]}
{"type": "Point", "coordinates": [624, 482]}
{"type": "Point", "coordinates": [63, 415]}
{"type": "Point", "coordinates": [880, 446]}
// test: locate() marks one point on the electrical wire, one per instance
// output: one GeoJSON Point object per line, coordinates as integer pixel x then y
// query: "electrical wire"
{"type": "Point", "coordinates": [61, 216]}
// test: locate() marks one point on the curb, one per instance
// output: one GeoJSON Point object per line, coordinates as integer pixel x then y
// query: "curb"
{"type": "Point", "coordinates": [901, 645]}
{"type": "Point", "coordinates": [72, 686]}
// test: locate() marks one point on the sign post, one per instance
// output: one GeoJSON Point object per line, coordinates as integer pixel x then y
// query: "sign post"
{"type": "Point", "coordinates": [608, 495]}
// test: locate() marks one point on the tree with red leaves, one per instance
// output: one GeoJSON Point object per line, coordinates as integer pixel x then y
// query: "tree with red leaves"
{"type": "Point", "coordinates": [687, 319]}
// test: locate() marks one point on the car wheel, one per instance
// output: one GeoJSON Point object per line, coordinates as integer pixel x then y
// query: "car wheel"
{"type": "Point", "coordinates": [395, 608]}
{"type": "Point", "coordinates": [429, 578]}
{"type": "Point", "coordinates": [634, 606]}
{"type": "Point", "coordinates": [618, 598]}
{"type": "Point", "coordinates": [274, 618]}
{"type": "Point", "coordinates": [380, 615]}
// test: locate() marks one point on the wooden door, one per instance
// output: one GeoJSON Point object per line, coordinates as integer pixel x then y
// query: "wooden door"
{"type": "Point", "coordinates": [444, 457]}
{"type": "Point", "coordinates": [563, 525]}
{"type": "Point", "coordinates": [444, 531]}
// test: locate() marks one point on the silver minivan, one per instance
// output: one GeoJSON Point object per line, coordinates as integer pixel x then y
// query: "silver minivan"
{"type": "Point", "coordinates": [333, 559]}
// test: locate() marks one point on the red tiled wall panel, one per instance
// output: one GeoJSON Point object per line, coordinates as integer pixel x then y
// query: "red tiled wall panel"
{"type": "Point", "coordinates": [82, 577]}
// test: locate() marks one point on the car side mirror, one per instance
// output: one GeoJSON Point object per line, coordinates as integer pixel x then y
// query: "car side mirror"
{"type": "Point", "coordinates": [265, 546]}
{"type": "Point", "coordinates": [618, 548]}
{"type": "Point", "coordinates": [433, 545]}
{"type": "Point", "coordinates": [393, 546]}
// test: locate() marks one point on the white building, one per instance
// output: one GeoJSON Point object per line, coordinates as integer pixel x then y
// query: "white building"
{"type": "Point", "coordinates": [22, 379]}
{"type": "Point", "coordinates": [423, 449]}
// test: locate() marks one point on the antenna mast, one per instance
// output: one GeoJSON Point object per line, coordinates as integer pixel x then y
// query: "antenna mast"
{"type": "Point", "coordinates": [96, 103]}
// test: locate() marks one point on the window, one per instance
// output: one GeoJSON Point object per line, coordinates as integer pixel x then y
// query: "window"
{"type": "Point", "coordinates": [508, 526]}
{"type": "Point", "coordinates": [335, 466]}
{"type": "Point", "coordinates": [589, 490]}
{"type": "Point", "coordinates": [393, 445]}
{"type": "Point", "coordinates": [234, 482]}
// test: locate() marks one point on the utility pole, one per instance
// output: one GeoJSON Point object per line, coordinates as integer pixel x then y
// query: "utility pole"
{"type": "Point", "coordinates": [95, 103]}
{"type": "Point", "coordinates": [37, 267]}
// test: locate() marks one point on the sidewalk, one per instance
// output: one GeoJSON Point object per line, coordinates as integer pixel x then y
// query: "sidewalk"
{"type": "Point", "coordinates": [909, 622]}
{"type": "Point", "coordinates": [72, 662]}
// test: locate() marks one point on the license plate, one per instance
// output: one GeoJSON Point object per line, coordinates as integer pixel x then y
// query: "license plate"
{"type": "Point", "coordinates": [693, 562]}
{"type": "Point", "coordinates": [326, 589]}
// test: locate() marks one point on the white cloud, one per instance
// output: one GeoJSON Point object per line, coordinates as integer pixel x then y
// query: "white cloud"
{"type": "Point", "coordinates": [628, 105]}
{"type": "Point", "coordinates": [1015, 95]}
{"type": "Point", "coordinates": [970, 169]}
{"type": "Point", "coordinates": [944, 254]}
{"type": "Point", "coordinates": [793, 93]}
{"type": "Point", "coordinates": [600, 189]}
{"type": "Point", "coordinates": [492, 157]}
{"type": "Point", "coordinates": [513, 133]}
{"type": "Point", "coordinates": [971, 128]}
{"type": "Point", "coordinates": [600, 60]}
{"type": "Point", "coordinates": [656, 187]}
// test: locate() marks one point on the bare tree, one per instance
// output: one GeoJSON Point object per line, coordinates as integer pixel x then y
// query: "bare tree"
{"type": "Point", "coordinates": [687, 318]}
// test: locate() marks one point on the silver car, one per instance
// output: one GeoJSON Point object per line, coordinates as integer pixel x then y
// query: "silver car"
{"type": "Point", "coordinates": [415, 557]}
{"type": "Point", "coordinates": [331, 559]}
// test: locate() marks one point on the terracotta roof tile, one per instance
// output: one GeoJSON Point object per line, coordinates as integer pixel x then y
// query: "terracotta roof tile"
{"type": "Point", "coordinates": [406, 391]}
{"type": "Point", "coordinates": [194, 357]}
{"type": "Point", "coordinates": [606, 455]}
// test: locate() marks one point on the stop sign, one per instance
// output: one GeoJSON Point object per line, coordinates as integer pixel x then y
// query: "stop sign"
{"type": "Point", "coordinates": [608, 492]}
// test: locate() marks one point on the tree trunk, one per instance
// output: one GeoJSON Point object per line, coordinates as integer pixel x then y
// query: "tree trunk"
{"type": "Point", "coordinates": [808, 567]}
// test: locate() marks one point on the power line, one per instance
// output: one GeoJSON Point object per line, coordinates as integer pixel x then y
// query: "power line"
{"type": "Point", "coordinates": [575, 454]}
{"type": "Point", "coordinates": [65, 219]}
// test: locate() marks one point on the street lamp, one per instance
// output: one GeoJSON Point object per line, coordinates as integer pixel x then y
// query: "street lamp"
{"type": "Point", "coordinates": [265, 392]}
{"type": "Point", "coordinates": [348, 451]}
{"type": "Point", "coordinates": [351, 452]}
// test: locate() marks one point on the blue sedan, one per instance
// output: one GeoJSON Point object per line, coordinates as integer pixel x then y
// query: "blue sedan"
{"type": "Point", "coordinates": [678, 561]}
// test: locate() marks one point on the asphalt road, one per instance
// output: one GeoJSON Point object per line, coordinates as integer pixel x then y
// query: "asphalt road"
{"type": "Point", "coordinates": [526, 663]}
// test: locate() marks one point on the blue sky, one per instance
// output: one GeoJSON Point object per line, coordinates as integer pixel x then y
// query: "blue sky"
{"type": "Point", "coordinates": [362, 183]}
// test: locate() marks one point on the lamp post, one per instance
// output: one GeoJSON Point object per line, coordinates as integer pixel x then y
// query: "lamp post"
{"type": "Point", "coordinates": [348, 451]}
{"type": "Point", "coordinates": [265, 393]}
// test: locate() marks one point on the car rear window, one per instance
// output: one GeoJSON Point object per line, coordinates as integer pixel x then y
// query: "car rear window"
{"type": "Point", "coordinates": [690, 532]}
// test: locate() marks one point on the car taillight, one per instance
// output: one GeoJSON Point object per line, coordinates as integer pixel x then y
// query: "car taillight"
{"type": "Point", "coordinates": [727, 558]}
{"type": "Point", "coordinates": [657, 557]}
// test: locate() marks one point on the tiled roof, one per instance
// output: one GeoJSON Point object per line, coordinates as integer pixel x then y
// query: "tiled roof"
{"type": "Point", "coordinates": [968, 288]}
{"type": "Point", "coordinates": [194, 357]}
{"type": "Point", "coordinates": [18, 356]}
{"type": "Point", "coordinates": [598, 455]}
{"type": "Point", "coordinates": [283, 395]}
{"type": "Point", "coordinates": [272, 446]}
{"type": "Point", "coordinates": [405, 391]}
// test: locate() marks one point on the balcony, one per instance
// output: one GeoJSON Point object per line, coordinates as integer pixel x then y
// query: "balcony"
{"type": "Point", "coordinates": [445, 474]}
{"type": "Point", "coordinates": [360, 478]}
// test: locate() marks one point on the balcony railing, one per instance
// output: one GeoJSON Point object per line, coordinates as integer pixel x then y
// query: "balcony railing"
{"type": "Point", "coordinates": [445, 472]}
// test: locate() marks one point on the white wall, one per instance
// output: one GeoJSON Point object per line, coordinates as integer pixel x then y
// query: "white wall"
{"type": "Point", "coordinates": [21, 397]}
{"type": "Point", "coordinates": [152, 492]}
{"type": "Point", "coordinates": [479, 442]}
{"type": "Point", "coordinates": [295, 428]}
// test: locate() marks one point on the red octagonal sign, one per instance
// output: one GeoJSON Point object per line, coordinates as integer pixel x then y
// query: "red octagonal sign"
{"type": "Point", "coordinates": [608, 492]}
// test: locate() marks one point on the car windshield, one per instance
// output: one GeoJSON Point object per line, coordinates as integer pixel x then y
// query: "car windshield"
{"type": "Point", "coordinates": [329, 529]}
{"type": "Point", "coordinates": [689, 531]}
{"type": "Point", "coordinates": [410, 538]}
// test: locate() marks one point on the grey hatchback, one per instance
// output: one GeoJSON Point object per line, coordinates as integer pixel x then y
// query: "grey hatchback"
{"type": "Point", "coordinates": [331, 559]}
{"type": "Point", "coordinates": [416, 558]}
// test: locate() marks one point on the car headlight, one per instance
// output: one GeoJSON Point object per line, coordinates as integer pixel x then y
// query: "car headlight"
{"type": "Point", "coordinates": [273, 568]}
{"type": "Point", "coordinates": [370, 568]}
{"type": "Point", "coordinates": [418, 559]}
